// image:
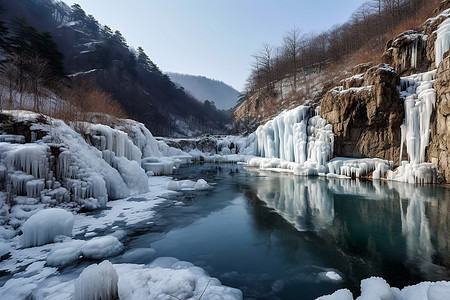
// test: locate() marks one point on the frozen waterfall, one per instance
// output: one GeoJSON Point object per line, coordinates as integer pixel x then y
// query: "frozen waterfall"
{"type": "Point", "coordinates": [442, 43]}
{"type": "Point", "coordinates": [420, 100]}
{"type": "Point", "coordinates": [296, 136]}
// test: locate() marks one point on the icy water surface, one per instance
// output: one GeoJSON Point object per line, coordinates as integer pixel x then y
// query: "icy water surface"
{"type": "Point", "coordinates": [276, 236]}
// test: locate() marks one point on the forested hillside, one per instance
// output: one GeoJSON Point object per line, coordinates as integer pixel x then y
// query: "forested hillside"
{"type": "Point", "coordinates": [85, 57]}
{"type": "Point", "coordinates": [306, 65]}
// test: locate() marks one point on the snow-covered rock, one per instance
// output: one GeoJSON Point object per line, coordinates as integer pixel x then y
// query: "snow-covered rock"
{"type": "Point", "coordinates": [65, 253]}
{"type": "Point", "coordinates": [201, 184]}
{"type": "Point", "coordinates": [77, 170]}
{"type": "Point", "coordinates": [158, 166]}
{"type": "Point", "coordinates": [97, 282]}
{"type": "Point", "coordinates": [101, 247]}
{"type": "Point", "coordinates": [377, 288]}
{"type": "Point", "coordinates": [42, 227]}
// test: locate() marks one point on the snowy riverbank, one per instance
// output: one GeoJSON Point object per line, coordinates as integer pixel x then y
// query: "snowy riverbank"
{"type": "Point", "coordinates": [47, 165]}
{"type": "Point", "coordinates": [39, 272]}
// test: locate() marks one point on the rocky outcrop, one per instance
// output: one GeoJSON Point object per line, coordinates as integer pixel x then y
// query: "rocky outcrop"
{"type": "Point", "coordinates": [413, 51]}
{"type": "Point", "coordinates": [256, 110]}
{"type": "Point", "coordinates": [407, 53]}
{"type": "Point", "coordinates": [429, 28]}
{"type": "Point", "coordinates": [366, 119]}
{"type": "Point", "coordinates": [439, 149]}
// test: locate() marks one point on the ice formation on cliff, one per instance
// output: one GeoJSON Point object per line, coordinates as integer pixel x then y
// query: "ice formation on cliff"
{"type": "Point", "coordinates": [357, 167]}
{"type": "Point", "coordinates": [442, 43]}
{"type": "Point", "coordinates": [295, 136]}
{"type": "Point", "coordinates": [74, 171]}
{"type": "Point", "coordinates": [420, 100]}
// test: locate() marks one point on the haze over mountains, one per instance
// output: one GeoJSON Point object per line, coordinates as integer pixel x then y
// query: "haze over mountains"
{"type": "Point", "coordinates": [203, 88]}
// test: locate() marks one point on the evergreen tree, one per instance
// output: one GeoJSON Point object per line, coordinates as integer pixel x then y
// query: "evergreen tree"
{"type": "Point", "coordinates": [48, 49]}
{"type": "Point", "coordinates": [103, 54]}
{"type": "Point", "coordinates": [145, 62]}
{"type": "Point", "coordinates": [118, 37]}
{"type": "Point", "coordinates": [107, 31]}
{"type": "Point", "coordinates": [131, 64]}
{"type": "Point", "coordinates": [3, 30]}
{"type": "Point", "coordinates": [92, 24]}
{"type": "Point", "coordinates": [27, 43]}
{"type": "Point", "coordinates": [78, 13]}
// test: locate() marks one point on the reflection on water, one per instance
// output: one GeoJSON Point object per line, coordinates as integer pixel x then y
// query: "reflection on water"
{"type": "Point", "coordinates": [379, 221]}
{"type": "Point", "coordinates": [415, 226]}
{"type": "Point", "coordinates": [274, 236]}
{"type": "Point", "coordinates": [308, 205]}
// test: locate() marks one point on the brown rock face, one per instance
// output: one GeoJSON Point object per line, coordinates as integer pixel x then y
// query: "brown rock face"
{"type": "Point", "coordinates": [413, 51]}
{"type": "Point", "coordinates": [407, 53]}
{"type": "Point", "coordinates": [439, 149]}
{"type": "Point", "coordinates": [366, 120]}
{"type": "Point", "coordinates": [255, 111]}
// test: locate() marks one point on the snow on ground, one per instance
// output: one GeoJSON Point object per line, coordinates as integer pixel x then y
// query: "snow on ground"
{"type": "Point", "coordinates": [378, 288]}
{"type": "Point", "coordinates": [165, 278]}
{"type": "Point", "coordinates": [59, 167]}
{"type": "Point", "coordinates": [35, 268]}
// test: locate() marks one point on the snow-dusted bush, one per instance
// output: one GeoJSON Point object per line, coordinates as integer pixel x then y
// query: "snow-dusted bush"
{"type": "Point", "coordinates": [42, 227]}
{"type": "Point", "coordinates": [97, 282]}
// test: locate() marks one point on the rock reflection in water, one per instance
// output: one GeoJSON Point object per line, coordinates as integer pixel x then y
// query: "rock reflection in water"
{"type": "Point", "coordinates": [379, 222]}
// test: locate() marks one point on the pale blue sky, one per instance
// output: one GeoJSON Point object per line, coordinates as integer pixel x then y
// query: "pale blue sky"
{"type": "Point", "coordinates": [213, 38]}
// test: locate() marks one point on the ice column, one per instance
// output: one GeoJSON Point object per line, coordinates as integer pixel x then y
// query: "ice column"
{"type": "Point", "coordinates": [416, 126]}
{"type": "Point", "coordinates": [442, 43]}
{"type": "Point", "coordinates": [294, 136]}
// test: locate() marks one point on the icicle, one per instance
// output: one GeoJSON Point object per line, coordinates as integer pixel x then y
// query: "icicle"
{"type": "Point", "coordinates": [294, 137]}
{"type": "Point", "coordinates": [442, 43]}
{"type": "Point", "coordinates": [420, 100]}
{"type": "Point", "coordinates": [413, 46]}
{"type": "Point", "coordinates": [34, 188]}
{"type": "Point", "coordinates": [115, 141]}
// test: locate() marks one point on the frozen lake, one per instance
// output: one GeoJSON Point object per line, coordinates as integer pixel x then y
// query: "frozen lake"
{"type": "Point", "coordinates": [277, 236]}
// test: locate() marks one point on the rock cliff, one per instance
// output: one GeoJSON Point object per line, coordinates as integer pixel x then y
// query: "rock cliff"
{"type": "Point", "coordinates": [439, 149]}
{"type": "Point", "coordinates": [413, 51]}
{"type": "Point", "coordinates": [366, 113]}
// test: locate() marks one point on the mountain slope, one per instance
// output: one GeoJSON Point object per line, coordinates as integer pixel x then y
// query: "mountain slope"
{"type": "Point", "coordinates": [202, 88]}
{"type": "Point", "coordinates": [102, 57]}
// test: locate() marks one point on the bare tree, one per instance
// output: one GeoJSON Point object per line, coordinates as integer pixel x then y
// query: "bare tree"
{"type": "Point", "coordinates": [265, 59]}
{"type": "Point", "coordinates": [10, 76]}
{"type": "Point", "coordinates": [292, 43]}
{"type": "Point", "coordinates": [39, 72]}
